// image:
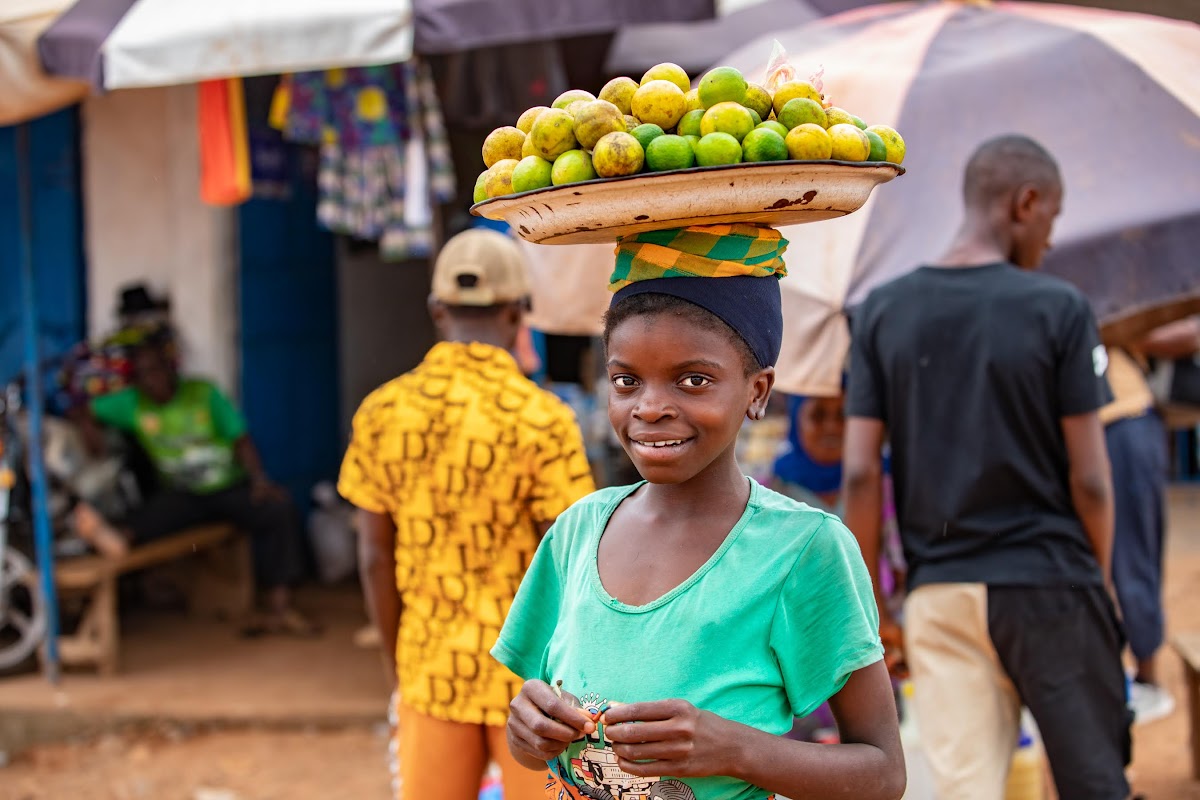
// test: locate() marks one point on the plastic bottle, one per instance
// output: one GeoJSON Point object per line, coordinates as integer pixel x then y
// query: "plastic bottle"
{"type": "Point", "coordinates": [920, 776]}
{"type": "Point", "coordinates": [1026, 777]}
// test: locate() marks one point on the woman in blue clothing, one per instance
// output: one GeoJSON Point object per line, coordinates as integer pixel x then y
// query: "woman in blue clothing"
{"type": "Point", "coordinates": [668, 632]}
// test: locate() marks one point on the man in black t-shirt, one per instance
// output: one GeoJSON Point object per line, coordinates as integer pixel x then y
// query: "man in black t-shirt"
{"type": "Point", "coordinates": [987, 378]}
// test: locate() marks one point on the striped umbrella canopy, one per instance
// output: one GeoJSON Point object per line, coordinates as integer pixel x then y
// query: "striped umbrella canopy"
{"type": "Point", "coordinates": [1115, 96]}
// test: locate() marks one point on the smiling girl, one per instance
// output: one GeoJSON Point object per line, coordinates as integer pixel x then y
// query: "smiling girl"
{"type": "Point", "coordinates": [691, 616]}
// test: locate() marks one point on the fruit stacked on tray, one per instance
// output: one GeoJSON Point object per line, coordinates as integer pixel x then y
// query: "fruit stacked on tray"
{"type": "Point", "coordinates": [662, 124]}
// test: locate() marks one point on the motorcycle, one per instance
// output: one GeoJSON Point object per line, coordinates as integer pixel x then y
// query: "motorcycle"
{"type": "Point", "coordinates": [72, 475]}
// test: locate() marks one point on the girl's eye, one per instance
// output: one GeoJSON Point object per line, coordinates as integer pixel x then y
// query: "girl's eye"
{"type": "Point", "coordinates": [624, 381]}
{"type": "Point", "coordinates": [696, 381]}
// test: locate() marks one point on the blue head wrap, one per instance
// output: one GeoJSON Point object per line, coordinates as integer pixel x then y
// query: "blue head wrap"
{"type": "Point", "coordinates": [795, 465]}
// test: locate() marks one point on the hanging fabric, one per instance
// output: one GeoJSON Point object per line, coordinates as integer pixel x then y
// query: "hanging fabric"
{"type": "Point", "coordinates": [224, 143]}
{"type": "Point", "coordinates": [384, 154]}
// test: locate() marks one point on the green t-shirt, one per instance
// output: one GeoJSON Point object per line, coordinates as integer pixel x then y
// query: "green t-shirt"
{"type": "Point", "coordinates": [767, 630]}
{"type": "Point", "coordinates": [190, 438]}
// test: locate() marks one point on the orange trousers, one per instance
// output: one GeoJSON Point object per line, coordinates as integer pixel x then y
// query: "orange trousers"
{"type": "Point", "coordinates": [440, 760]}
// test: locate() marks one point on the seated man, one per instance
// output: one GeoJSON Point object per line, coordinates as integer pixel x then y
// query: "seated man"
{"type": "Point", "coordinates": [208, 471]}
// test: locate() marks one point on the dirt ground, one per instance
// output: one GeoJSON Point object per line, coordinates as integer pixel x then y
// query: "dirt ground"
{"type": "Point", "coordinates": [350, 763]}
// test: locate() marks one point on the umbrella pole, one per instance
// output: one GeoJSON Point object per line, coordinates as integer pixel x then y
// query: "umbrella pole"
{"type": "Point", "coordinates": [43, 540]}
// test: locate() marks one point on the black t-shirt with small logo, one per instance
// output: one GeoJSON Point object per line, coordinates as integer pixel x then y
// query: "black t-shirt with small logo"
{"type": "Point", "coordinates": [972, 370]}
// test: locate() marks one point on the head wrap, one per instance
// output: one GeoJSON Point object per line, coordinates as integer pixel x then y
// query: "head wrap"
{"type": "Point", "coordinates": [700, 251]}
{"type": "Point", "coordinates": [746, 262]}
{"type": "Point", "coordinates": [795, 465]}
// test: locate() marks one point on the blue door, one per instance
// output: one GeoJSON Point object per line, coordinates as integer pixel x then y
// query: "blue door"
{"type": "Point", "coordinates": [288, 295]}
{"type": "Point", "coordinates": [57, 238]}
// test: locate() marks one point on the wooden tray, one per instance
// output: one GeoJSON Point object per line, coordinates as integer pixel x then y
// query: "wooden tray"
{"type": "Point", "coordinates": [777, 193]}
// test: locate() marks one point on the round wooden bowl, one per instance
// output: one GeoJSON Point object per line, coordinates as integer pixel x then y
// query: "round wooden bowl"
{"type": "Point", "coordinates": [777, 194]}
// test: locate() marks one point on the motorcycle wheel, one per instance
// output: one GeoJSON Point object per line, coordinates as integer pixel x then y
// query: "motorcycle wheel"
{"type": "Point", "coordinates": [22, 610]}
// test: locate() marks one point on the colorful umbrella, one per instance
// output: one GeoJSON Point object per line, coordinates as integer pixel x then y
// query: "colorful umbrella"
{"type": "Point", "coordinates": [1114, 96]}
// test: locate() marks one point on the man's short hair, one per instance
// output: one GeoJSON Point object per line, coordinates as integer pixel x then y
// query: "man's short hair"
{"type": "Point", "coordinates": [1002, 165]}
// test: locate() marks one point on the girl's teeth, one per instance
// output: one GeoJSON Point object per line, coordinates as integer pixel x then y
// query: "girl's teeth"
{"type": "Point", "coordinates": [661, 444]}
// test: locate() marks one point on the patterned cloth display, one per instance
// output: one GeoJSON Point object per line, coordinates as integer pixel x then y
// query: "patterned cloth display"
{"type": "Point", "coordinates": [700, 251]}
{"type": "Point", "coordinates": [385, 156]}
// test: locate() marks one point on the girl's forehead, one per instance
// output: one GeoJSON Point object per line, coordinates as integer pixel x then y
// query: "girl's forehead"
{"type": "Point", "coordinates": [658, 336]}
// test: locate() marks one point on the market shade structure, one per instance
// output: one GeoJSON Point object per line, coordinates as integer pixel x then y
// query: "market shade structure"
{"type": "Point", "coordinates": [120, 44]}
{"type": "Point", "coordinates": [452, 26]}
{"type": "Point", "coordinates": [27, 90]}
{"type": "Point", "coordinates": [698, 45]}
{"type": "Point", "coordinates": [1114, 96]}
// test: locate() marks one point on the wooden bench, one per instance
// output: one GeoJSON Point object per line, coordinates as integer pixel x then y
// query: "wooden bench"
{"type": "Point", "coordinates": [219, 580]}
{"type": "Point", "coordinates": [1188, 647]}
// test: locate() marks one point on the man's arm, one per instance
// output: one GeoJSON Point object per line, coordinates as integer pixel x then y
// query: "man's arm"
{"type": "Point", "coordinates": [1091, 483]}
{"type": "Point", "coordinates": [1177, 340]}
{"type": "Point", "coordinates": [261, 486]}
{"type": "Point", "coordinates": [377, 571]}
{"type": "Point", "coordinates": [862, 475]}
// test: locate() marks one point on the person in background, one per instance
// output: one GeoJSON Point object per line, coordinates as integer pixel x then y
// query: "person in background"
{"type": "Point", "coordinates": [208, 470]}
{"type": "Point", "coordinates": [1137, 447]}
{"type": "Point", "coordinates": [809, 469]}
{"type": "Point", "coordinates": [458, 468]}
{"type": "Point", "coordinates": [987, 378]}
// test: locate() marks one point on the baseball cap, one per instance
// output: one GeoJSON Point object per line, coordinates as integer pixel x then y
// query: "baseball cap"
{"type": "Point", "coordinates": [480, 267]}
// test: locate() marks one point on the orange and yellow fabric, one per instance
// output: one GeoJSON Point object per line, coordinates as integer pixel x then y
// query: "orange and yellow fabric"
{"type": "Point", "coordinates": [224, 142]}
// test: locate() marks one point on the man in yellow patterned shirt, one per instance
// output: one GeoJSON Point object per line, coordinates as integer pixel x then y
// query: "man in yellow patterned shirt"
{"type": "Point", "coordinates": [458, 468]}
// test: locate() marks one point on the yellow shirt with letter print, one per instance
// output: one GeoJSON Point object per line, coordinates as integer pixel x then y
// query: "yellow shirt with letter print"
{"type": "Point", "coordinates": [468, 457]}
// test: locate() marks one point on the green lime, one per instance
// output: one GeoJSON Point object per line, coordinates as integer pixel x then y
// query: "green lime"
{"type": "Point", "coordinates": [481, 187]}
{"type": "Point", "coordinates": [755, 116]}
{"type": "Point", "coordinates": [774, 125]}
{"type": "Point", "coordinates": [532, 172]}
{"type": "Point", "coordinates": [690, 124]}
{"type": "Point", "coordinates": [572, 166]}
{"type": "Point", "coordinates": [859, 121]}
{"type": "Point", "coordinates": [878, 148]}
{"type": "Point", "coordinates": [764, 144]}
{"type": "Point", "coordinates": [722, 85]}
{"type": "Point", "coordinates": [693, 141]}
{"type": "Point", "coordinates": [669, 152]}
{"type": "Point", "coordinates": [801, 111]}
{"type": "Point", "coordinates": [718, 148]}
{"type": "Point", "coordinates": [646, 133]}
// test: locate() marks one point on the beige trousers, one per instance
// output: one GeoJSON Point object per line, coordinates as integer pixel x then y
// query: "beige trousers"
{"type": "Point", "coordinates": [967, 709]}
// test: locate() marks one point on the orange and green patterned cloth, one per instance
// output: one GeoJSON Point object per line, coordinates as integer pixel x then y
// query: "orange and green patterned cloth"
{"type": "Point", "coordinates": [700, 251]}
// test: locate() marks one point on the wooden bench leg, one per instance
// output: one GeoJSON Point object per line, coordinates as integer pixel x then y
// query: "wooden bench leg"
{"type": "Point", "coordinates": [95, 643]}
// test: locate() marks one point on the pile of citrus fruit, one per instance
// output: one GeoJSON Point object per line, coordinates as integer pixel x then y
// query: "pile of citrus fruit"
{"type": "Point", "coordinates": [662, 124]}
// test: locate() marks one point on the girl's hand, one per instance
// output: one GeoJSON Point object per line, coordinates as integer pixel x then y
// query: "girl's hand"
{"type": "Point", "coordinates": [672, 737]}
{"type": "Point", "coordinates": [541, 724]}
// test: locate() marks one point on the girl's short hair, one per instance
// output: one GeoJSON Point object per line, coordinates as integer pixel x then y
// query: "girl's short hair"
{"type": "Point", "coordinates": [651, 304]}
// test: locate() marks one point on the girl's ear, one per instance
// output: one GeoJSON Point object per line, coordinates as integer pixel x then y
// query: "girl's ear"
{"type": "Point", "coordinates": [761, 384]}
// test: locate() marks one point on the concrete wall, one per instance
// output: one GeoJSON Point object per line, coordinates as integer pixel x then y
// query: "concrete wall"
{"type": "Point", "coordinates": [144, 221]}
{"type": "Point", "coordinates": [383, 323]}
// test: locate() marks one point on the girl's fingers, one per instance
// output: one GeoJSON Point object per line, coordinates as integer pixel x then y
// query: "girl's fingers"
{"type": "Point", "coordinates": [638, 732]}
{"type": "Point", "coordinates": [549, 704]}
{"type": "Point", "coordinates": [655, 751]}
{"type": "Point", "coordinates": [537, 746]}
{"type": "Point", "coordinates": [645, 712]}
